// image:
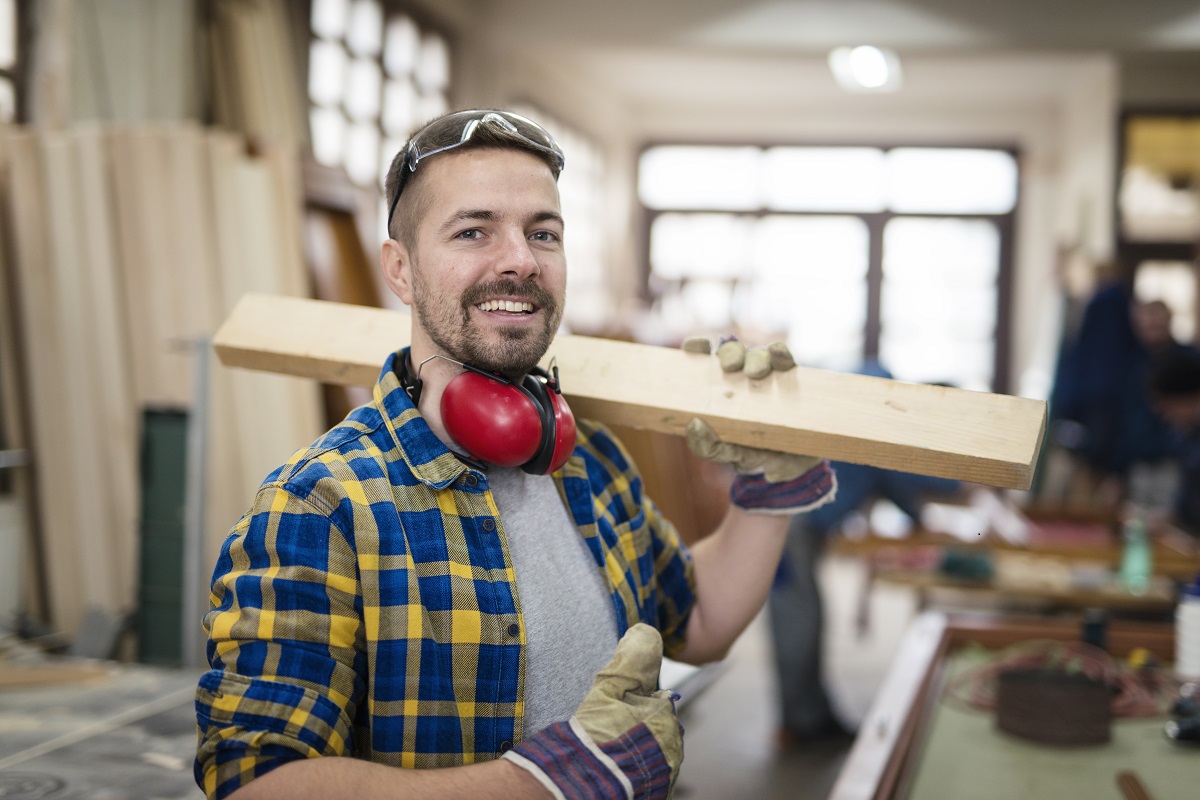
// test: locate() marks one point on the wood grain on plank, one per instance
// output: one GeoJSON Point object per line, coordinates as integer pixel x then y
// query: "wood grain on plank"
{"type": "Point", "coordinates": [933, 430]}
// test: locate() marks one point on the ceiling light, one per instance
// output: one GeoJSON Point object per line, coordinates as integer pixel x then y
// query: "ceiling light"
{"type": "Point", "coordinates": [865, 69]}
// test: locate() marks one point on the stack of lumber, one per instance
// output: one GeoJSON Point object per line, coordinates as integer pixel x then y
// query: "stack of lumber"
{"type": "Point", "coordinates": [129, 246]}
{"type": "Point", "coordinates": [255, 89]}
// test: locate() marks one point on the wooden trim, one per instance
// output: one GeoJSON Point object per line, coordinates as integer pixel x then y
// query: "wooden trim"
{"type": "Point", "coordinates": [874, 763]}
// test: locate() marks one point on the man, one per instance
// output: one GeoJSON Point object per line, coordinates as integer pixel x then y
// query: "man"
{"type": "Point", "coordinates": [392, 596]}
{"type": "Point", "coordinates": [796, 607]}
{"type": "Point", "coordinates": [1100, 414]}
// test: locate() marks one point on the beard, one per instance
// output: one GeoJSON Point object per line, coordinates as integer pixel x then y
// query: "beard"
{"type": "Point", "coordinates": [517, 350]}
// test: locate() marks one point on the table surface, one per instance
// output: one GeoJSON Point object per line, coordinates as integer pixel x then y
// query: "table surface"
{"type": "Point", "coordinates": [964, 755]}
{"type": "Point", "coordinates": [912, 739]}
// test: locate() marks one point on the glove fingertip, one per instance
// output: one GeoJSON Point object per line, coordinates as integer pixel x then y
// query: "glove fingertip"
{"type": "Point", "coordinates": [758, 364]}
{"type": "Point", "coordinates": [781, 356]}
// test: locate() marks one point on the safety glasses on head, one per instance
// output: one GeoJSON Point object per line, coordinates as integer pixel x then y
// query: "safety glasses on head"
{"type": "Point", "coordinates": [457, 129]}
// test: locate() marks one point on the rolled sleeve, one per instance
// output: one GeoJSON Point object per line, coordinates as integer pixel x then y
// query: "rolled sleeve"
{"type": "Point", "coordinates": [287, 664]}
{"type": "Point", "coordinates": [248, 727]}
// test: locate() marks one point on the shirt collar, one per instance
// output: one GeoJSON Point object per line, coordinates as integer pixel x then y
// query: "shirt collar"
{"type": "Point", "coordinates": [426, 455]}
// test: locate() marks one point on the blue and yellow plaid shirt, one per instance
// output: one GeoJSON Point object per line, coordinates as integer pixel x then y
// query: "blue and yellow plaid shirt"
{"type": "Point", "coordinates": [366, 605]}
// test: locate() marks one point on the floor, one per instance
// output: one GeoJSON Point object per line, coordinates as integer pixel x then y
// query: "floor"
{"type": "Point", "coordinates": [58, 744]}
{"type": "Point", "coordinates": [730, 743]}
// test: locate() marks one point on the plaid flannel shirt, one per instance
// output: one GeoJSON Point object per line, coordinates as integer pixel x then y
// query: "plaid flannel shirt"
{"type": "Point", "coordinates": [366, 604]}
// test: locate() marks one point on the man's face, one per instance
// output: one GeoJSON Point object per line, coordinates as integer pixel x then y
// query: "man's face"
{"type": "Point", "coordinates": [486, 275]}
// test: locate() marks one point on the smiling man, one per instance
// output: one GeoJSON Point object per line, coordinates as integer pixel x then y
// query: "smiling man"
{"type": "Point", "coordinates": [460, 587]}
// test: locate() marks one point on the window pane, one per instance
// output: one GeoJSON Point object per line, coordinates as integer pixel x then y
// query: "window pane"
{"type": "Point", "coordinates": [399, 108]}
{"type": "Point", "coordinates": [433, 64]}
{"type": "Point", "coordinates": [430, 105]}
{"type": "Point", "coordinates": [328, 18]}
{"type": "Point", "coordinates": [939, 301]}
{"type": "Point", "coordinates": [699, 246]}
{"type": "Point", "coordinates": [326, 72]}
{"type": "Point", "coordinates": [365, 31]}
{"type": "Point", "coordinates": [403, 43]}
{"type": "Point", "coordinates": [8, 34]}
{"type": "Point", "coordinates": [1154, 210]}
{"type": "Point", "coordinates": [1174, 283]}
{"type": "Point", "coordinates": [809, 285]}
{"type": "Point", "coordinates": [362, 154]}
{"type": "Point", "coordinates": [328, 135]}
{"type": "Point", "coordinates": [708, 303]}
{"type": "Point", "coordinates": [824, 178]}
{"type": "Point", "coordinates": [362, 90]}
{"type": "Point", "coordinates": [951, 181]}
{"type": "Point", "coordinates": [700, 177]}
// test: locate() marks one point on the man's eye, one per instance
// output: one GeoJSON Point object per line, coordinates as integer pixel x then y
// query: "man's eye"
{"type": "Point", "coordinates": [545, 236]}
{"type": "Point", "coordinates": [469, 234]}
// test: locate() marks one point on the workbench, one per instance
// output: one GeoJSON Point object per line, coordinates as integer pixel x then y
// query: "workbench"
{"type": "Point", "coordinates": [917, 745]}
{"type": "Point", "coordinates": [1057, 562]}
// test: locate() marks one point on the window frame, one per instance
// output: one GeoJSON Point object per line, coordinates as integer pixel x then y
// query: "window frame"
{"type": "Point", "coordinates": [876, 222]}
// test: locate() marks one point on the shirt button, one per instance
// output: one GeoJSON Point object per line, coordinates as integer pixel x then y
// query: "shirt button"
{"type": "Point", "coordinates": [505, 747]}
{"type": "Point", "coordinates": [471, 480]}
{"type": "Point", "coordinates": [489, 524]}
{"type": "Point", "coordinates": [514, 629]}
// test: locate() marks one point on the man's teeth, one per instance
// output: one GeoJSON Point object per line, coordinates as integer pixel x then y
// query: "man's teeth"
{"type": "Point", "coordinates": [506, 305]}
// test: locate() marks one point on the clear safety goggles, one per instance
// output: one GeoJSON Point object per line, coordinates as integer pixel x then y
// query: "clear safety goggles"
{"type": "Point", "coordinates": [522, 127]}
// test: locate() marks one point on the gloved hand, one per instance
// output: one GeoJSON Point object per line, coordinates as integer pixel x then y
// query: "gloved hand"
{"type": "Point", "coordinates": [767, 481]}
{"type": "Point", "coordinates": [623, 741]}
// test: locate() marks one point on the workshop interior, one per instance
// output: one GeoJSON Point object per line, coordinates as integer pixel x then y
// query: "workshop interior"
{"type": "Point", "coordinates": [984, 205]}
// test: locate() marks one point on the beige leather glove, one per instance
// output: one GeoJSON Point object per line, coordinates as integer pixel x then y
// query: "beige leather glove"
{"type": "Point", "coordinates": [624, 740]}
{"type": "Point", "coordinates": [776, 467]}
{"type": "Point", "coordinates": [768, 481]}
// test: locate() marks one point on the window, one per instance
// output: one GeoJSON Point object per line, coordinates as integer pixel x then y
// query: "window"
{"type": "Point", "coordinates": [374, 76]}
{"type": "Point", "coordinates": [8, 60]}
{"type": "Point", "coordinates": [847, 252]}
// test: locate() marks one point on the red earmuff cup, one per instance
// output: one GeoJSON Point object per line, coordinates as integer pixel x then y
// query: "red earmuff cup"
{"type": "Point", "coordinates": [564, 432]}
{"type": "Point", "coordinates": [515, 429]}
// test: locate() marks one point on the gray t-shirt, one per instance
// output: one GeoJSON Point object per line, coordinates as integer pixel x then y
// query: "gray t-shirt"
{"type": "Point", "coordinates": [570, 621]}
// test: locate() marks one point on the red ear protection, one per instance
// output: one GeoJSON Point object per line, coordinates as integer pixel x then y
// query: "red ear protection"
{"type": "Point", "coordinates": [501, 422]}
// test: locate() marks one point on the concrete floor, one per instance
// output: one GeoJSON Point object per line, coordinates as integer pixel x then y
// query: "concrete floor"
{"type": "Point", "coordinates": [730, 743]}
{"type": "Point", "coordinates": [136, 739]}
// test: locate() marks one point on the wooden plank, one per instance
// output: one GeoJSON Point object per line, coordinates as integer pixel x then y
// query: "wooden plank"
{"type": "Point", "coordinates": [104, 345]}
{"type": "Point", "coordinates": [44, 357]}
{"type": "Point", "coordinates": [258, 246]}
{"type": "Point", "coordinates": [932, 430]}
{"type": "Point", "coordinates": [14, 411]}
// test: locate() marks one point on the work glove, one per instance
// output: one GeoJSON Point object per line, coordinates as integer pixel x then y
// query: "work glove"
{"type": "Point", "coordinates": [623, 741]}
{"type": "Point", "coordinates": [766, 481]}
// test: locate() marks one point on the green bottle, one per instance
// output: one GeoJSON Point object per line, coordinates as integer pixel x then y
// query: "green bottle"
{"type": "Point", "coordinates": [1136, 560]}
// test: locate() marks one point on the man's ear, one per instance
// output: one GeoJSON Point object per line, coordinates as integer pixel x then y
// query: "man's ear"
{"type": "Point", "coordinates": [397, 269]}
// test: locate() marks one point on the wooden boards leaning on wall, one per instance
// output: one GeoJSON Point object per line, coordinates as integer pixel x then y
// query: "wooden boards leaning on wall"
{"type": "Point", "coordinates": [130, 245]}
{"type": "Point", "coordinates": [933, 430]}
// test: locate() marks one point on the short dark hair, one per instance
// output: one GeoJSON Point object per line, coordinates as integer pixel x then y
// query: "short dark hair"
{"type": "Point", "coordinates": [442, 132]}
{"type": "Point", "coordinates": [1177, 373]}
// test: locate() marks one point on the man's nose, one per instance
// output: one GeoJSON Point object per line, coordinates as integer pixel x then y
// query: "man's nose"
{"type": "Point", "coordinates": [517, 259]}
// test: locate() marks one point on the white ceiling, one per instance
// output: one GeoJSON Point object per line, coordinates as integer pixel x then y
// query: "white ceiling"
{"type": "Point", "coordinates": [652, 55]}
{"type": "Point", "coordinates": [814, 26]}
